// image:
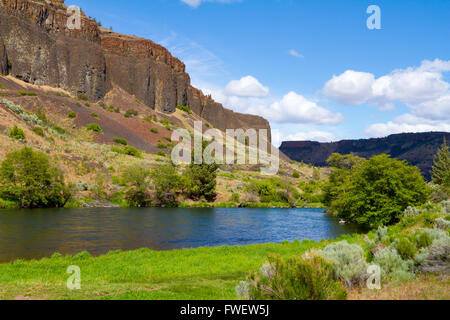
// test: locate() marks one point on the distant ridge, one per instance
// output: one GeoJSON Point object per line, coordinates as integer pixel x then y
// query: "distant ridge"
{"type": "Point", "coordinates": [417, 149]}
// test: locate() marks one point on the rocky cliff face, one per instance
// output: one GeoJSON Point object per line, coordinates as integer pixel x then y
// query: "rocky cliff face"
{"type": "Point", "coordinates": [42, 50]}
{"type": "Point", "coordinates": [417, 149]}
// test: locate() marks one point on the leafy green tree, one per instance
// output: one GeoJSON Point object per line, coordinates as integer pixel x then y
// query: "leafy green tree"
{"type": "Point", "coordinates": [166, 182]}
{"type": "Point", "coordinates": [28, 178]}
{"type": "Point", "coordinates": [201, 180]}
{"type": "Point", "coordinates": [440, 173]}
{"type": "Point", "coordinates": [339, 182]}
{"type": "Point", "coordinates": [375, 191]}
{"type": "Point", "coordinates": [137, 179]}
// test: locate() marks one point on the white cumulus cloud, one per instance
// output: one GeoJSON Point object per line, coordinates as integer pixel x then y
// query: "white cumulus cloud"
{"type": "Point", "coordinates": [296, 54]}
{"type": "Point", "coordinates": [295, 108]}
{"type": "Point", "coordinates": [246, 87]}
{"type": "Point", "coordinates": [410, 86]}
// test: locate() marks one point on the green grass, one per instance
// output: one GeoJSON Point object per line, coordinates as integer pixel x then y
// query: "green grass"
{"type": "Point", "coordinates": [203, 273]}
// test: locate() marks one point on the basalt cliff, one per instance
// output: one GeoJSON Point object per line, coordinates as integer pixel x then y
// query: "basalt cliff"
{"type": "Point", "coordinates": [417, 149]}
{"type": "Point", "coordinates": [37, 47]}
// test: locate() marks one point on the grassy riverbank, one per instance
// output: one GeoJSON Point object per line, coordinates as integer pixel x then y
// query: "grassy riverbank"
{"type": "Point", "coordinates": [201, 273]}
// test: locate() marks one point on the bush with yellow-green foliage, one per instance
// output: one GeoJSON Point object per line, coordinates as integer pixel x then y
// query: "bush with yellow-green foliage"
{"type": "Point", "coordinates": [293, 279]}
{"type": "Point", "coordinates": [29, 178]}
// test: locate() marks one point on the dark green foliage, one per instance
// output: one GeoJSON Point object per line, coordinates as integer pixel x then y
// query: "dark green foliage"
{"type": "Point", "coordinates": [440, 173]}
{"type": "Point", "coordinates": [121, 141]}
{"type": "Point", "coordinates": [201, 179]}
{"type": "Point", "coordinates": [39, 131]}
{"type": "Point", "coordinates": [28, 178]}
{"type": "Point", "coordinates": [94, 127]}
{"type": "Point", "coordinates": [131, 113]}
{"type": "Point", "coordinates": [94, 115]}
{"type": "Point", "coordinates": [161, 153]}
{"type": "Point", "coordinates": [83, 97]}
{"type": "Point", "coordinates": [406, 249]}
{"type": "Point", "coordinates": [296, 279]}
{"type": "Point", "coordinates": [17, 133]}
{"type": "Point", "coordinates": [296, 175]}
{"type": "Point", "coordinates": [375, 191]}
{"type": "Point", "coordinates": [137, 180]}
{"type": "Point", "coordinates": [154, 130]}
{"type": "Point", "coordinates": [185, 109]}
{"type": "Point", "coordinates": [72, 115]}
{"type": "Point", "coordinates": [235, 197]}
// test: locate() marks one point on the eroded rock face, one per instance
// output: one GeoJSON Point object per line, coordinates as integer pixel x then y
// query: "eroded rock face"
{"type": "Point", "coordinates": [3, 59]}
{"type": "Point", "coordinates": [43, 51]}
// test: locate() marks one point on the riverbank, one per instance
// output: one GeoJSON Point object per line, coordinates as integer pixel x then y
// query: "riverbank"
{"type": "Point", "coordinates": [201, 273]}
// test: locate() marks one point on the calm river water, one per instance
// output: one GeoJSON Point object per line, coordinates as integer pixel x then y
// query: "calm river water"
{"type": "Point", "coordinates": [30, 234]}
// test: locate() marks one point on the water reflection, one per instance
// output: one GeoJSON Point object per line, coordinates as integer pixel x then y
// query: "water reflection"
{"type": "Point", "coordinates": [39, 233]}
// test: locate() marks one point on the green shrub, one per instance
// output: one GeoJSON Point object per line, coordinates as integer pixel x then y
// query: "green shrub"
{"type": "Point", "coordinates": [121, 141]}
{"type": "Point", "coordinates": [28, 178]}
{"type": "Point", "coordinates": [94, 127]}
{"type": "Point", "coordinates": [161, 145]}
{"type": "Point", "coordinates": [24, 93]}
{"type": "Point", "coordinates": [296, 175]}
{"type": "Point", "coordinates": [154, 130]}
{"type": "Point", "coordinates": [94, 115]}
{"type": "Point", "coordinates": [185, 109]}
{"type": "Point", "coordinates": [161, 153]}
{"type": "Point", "coordinates": [137, 180]}
{"type": "Point", "coordinates": [294, 279]}
{"type": "Point", "coordinates": [39, 131]}
{"type": "Point", "coordinates": [436, 258]}
{"type": "Point", "coordinates": [131, 113]}
{"type": "Point", "coordinates": [406, 249]}
{"type": "Point", "coordinates": [166, 182]}
{"type": "Point", "coordinates": [72, 115]}
{"type": "Point", "coordinates": [423, 240]}
{"type": "Point", "coordinates": [349, 263]}
{"type": "Point", "coordinates": [128, 150]}
{"type": "Point", "coordinates": [235, 198]}
{"type": "Point", "coordinates": [392, 266]}
{"type": "Point", "coordinates": [83, 97]}
{"type": "Point", "coordinates": [1, 86]}
{"type": "Point", "coordinates": [87, 104]}
{"type": "Point", "coordinates": [17, 133]}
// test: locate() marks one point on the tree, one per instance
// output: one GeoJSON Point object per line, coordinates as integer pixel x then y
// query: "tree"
{"type": "Point", "coordinates": [28, 178]}
{"type": "Point", "coordinates": [166, 182]}
{"type": "Point", "coordinates": [375, 191]}
{"type": "Point", "coordinates": [440, 173]}
{"type": "Point", "coordinates": [137, 179]}
{"type": "Point", "coordinates": [201, 179]}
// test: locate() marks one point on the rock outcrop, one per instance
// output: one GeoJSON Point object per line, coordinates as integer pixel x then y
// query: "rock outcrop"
{"type": "Point", "coordinates": [42, 50]}
{"type": "Point", "coordinates": [417, 149]}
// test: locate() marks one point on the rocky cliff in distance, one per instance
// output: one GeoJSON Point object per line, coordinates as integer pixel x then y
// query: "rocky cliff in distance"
{"type": "Point", "coordinates": [417, 149]}
{"type": "Point", "coordinates": [42, 50]}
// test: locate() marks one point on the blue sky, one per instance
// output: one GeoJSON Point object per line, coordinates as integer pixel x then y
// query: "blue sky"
{"type": "Point", "coordinates": [311, 67]}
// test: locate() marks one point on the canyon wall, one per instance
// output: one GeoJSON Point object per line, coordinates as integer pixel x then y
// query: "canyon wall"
{"type": "Point", "coordinates": [37, 47]}
{"type": "Point", "coordinates": [417, 149]}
